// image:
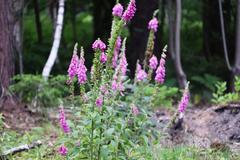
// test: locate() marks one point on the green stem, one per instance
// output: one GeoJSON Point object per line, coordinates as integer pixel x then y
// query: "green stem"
{"type": "Point", "coordinates": [100, 136]}
{"type": "Point", "coordinates": [91, 144]}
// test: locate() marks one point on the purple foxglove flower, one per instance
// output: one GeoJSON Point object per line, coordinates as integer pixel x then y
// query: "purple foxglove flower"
{"type": "Point", "coordinates": [98, 44]}
{"type": "Point", "coordinates": [141, 74]}
{"type": "Point", "coordinates": [161, 72]}
{"type": "Point", "coordinates": [153, 24]}
{"type": "Point", "coordinates": [72, 69]}
{"type": "Point", "coordinates": [184, 101]}
{"type": "Point", "coordinates": [116, 52]}
{"type": "Point", "coordinates": [82, 72]}
{"type": "Point", "coordinates": [117, 10]}
{"type": "Point", "coordinates": [103, 57]}
{"type": "Point", "coordinates": [153, 62]}
{"type": "Point", "coordinates": [63, 122]}
{"type": "Point", "coordinates": [135, 110]}
{"type": "Point", "coordinates": [63, 150]}
{"type": "Point", "coordinates": [130, 11]}
{"type": "Point", "coordinates": [99, 102]}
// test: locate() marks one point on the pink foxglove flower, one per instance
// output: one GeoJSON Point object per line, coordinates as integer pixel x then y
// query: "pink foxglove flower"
{"type": "Point", "coordinates": [114, 85]}
{"type": "Point", "coordinates": [116, 52]}
{"type": "Point", "coordinates": [117, 10]}
{"type": "Point", "coordinates": [98, 44]}
{"type": "Point", "coordinates": [99, 102]}
{"type": "Point", "coordinates": [72, 69]}
{"type": "Point", "coordinates": [135, 110]}
{"type": "Point", "coordinates": [130, 11]}
{"type": "Point", "coordinates": [184, 101]}
{"type": "Point", "coordinates": [104, 89]}
{"type": "Point", "coordinates": [103, 57]}
{"type": "Point", "coordinates": [82, 72]}
{"type": "Point", "coordinates": [153, 62]}
{"type": "Point", "coordinates": [153, 24]}
{"type": "Point", "coordinates": [63, 150]}
{"type": "Point", "coordinates": [161, 72]}
{"type": "Point", "coordinates": [120, 73]}
{"type": "Point", "coordinates": [141, 74]}
{"type": "Point", "coordinates": [63, 122]}
{"type": "Point", "coordinates": [123, 64]}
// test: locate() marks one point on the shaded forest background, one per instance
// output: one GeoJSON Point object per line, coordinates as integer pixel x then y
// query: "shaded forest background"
{"type": "Point", "coordinates": [202, 52]}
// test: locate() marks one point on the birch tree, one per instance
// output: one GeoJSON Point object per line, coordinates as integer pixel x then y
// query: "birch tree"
{"type": "Point", "coordinates": [56, 42]}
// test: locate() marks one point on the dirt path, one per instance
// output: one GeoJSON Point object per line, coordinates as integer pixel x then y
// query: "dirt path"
{"type": "Point", "coordinates": [214, 127]}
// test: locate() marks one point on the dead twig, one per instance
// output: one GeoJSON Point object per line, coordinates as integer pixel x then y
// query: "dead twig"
{"type": "Point", "coordinates": [21, 148]}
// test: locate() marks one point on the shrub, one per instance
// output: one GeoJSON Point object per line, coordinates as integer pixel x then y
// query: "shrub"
{"type": "Point", "coordinates": [221, 97]}
{"type": "Point", "coordinates": [37, 92]}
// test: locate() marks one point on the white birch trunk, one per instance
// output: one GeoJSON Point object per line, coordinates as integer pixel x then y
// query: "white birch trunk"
{"type": "Point", "coordinates": [56, 42]}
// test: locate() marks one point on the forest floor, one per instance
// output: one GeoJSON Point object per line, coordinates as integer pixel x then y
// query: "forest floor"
{"type": "Point", "coordinates": [214, 127]}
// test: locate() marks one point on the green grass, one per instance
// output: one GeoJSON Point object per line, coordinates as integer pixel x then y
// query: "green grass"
{"type": "Point", "coordinates": [189, 153]}
{"type": "Point", "coordinates": [48, 133]}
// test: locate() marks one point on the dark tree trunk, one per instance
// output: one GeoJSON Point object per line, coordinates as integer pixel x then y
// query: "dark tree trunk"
{"type": "Point", "coordinates": [37, 21]}
{"type": "Point", "coordinates": [159, 43]}
{"type": "Point", "coordinates": [52, 5]}
{"type": "Point", "coordinates": [180, 74]}
{"type": "Point", "coordinates": [18, 7]}
{"type": "Point", "coordinates": [174, 15]}
{"type": "Point", "coordinates": [73, 20]}
{"type": "Point", "coordinates": [102, 15]}
{"type": "Point", "coordinates": [236, 68]}
{"type": "Point", "coordinates": [7, 41]}
{"type": "Point", "coordinates": [139, 32]}
{"type": "Point", "coordinates": [211, 29]}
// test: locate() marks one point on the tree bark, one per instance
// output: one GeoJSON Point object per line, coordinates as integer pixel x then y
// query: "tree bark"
{"type": "Point", "coordinates": [174, 15]}
{"type": "Point", "coordinates": [236, 68]}
{"type": "Point", "coordinates": [8, 12]}
{"type": "Point", "coordinates": [180, 73]}
{"type": "Point", "coordinates": [56, 42]}
{"type": "Point", "coordinates": [37, 21]}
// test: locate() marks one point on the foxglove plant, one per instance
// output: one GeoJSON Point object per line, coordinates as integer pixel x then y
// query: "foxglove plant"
{"type": "Point", "coordinates": [99, 101]}
{"type": "Point", "coordinates": [120, 72]}
{"type": "Point", "coordinates": [117, 10]}
{"type": "Point", "coordinates": [161, 71]}
{"type": "Point", "coordinates": [63, 150]}
{"type": "Point", "coordinates": [63, 122]}
{"type": "Point", "coordinates": [140, 73]}
{"type": "Point", "coordinates": [99, 59]}
{"type": "Point", "coordinates": [117, 26]}
{"type": "Point", "coordinates": [153, 63]}
{"type": "Point", "coordinates": [130, 11]}
{"type": "Point", "coordinates": [184, 101]}
{"type": "Point", "coordinates": [82, 70]}
{"type": "Point", "coordinates": [72, 69]}
{"type": "Point", "coordinates": [116, 52]}
{"type": "Point", "coordinates": [152, 26]}
{"type": "Point", "coordinates": [107, 124]}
